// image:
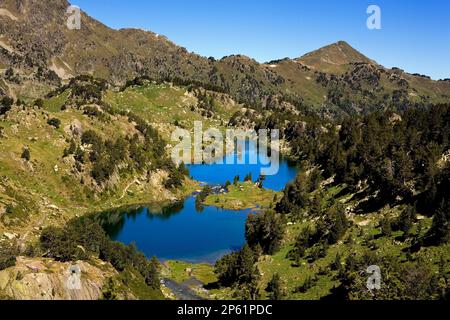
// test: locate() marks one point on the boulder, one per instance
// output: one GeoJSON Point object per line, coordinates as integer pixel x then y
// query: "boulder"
{"type": "Point", "coordinates": [9, 236]}
{"type": "Point", "coordinates": [75, 128]}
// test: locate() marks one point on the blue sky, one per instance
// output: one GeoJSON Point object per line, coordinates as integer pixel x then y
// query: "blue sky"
{"type": "Point", "coordinates": [415, 34]}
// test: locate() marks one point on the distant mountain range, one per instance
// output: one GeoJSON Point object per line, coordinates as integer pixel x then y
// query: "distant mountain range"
{"type": "Point", "coordinates": [38, 51]}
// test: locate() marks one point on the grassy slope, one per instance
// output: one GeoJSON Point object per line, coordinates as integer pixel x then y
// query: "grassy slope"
{"type": "Point", "coordinates": [164, 105]}
{"type": "Point", "coordinates": [35, 194]}
{"type": "Point", "coordinates": [365, 233]}
{"type": "Point", "coordinates": [45, 191]}
{"type": "Point", "coordinates": [131, 280]}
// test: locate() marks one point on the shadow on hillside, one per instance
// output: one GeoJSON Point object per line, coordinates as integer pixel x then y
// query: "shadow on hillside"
{"type": "Point", "coordinates": [370, 205]}
{"type": "Point", "coordinates": [212, 286]}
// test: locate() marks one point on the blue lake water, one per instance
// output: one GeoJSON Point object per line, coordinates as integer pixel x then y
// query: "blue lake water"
{"type": "Point", "coordinates": [216, 174]}
{"type": "Point", "coordinates": [184, 232]}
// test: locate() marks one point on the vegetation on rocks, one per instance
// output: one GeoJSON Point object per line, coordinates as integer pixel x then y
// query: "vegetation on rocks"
{"type": "Point", "coordinates": [83, 238]}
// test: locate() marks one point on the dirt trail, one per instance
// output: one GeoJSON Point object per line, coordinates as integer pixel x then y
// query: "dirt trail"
{"type": "Point", "coordinates": [128, 187]}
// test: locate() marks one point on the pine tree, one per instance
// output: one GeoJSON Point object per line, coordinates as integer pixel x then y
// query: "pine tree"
{"type": "Point", "coordinates": [295, 197]}
{"type": "Point", "coordinates": [315, 207]}
{"type": "Point", "coordinates": [253, 286]}
{"type": "Point", "coordinates": [440, 229]}
{"type": "Point", "coordinates": [245, 264]}
{"type": "Point", "coordinates": [403, 167]}
{"type": "Point", "coordinates": [274, 288]}
{"type": "Point", "coordinates": [5, 105]}
{"type": "Point", "coordinates": [26, 154]}
{"type": "Point", "coordinates": [152, 274]}
{"type": "Point", "coordinates": [261, 180]}
{"type": "Point", "coordinates": [336, 224]}
{"type": "Point", "coordinates": [406, 219]}
{"type": "Point", "coordinates": [305, 240]}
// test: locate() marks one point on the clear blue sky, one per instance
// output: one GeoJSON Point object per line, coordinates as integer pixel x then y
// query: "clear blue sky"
{"type": "Point", "coordinates": [415, 34]}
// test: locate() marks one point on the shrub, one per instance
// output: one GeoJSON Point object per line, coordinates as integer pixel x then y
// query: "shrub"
{"type": "Point", "coordinates": [92, 138]}
{"type": "Point", "coordinates": [26, 154]}
{"type": "Point", "coordinates": [92, 111]}
{"type": "Point", "coordinates": [56, 243]}
{"type": "Point", "coordinates": [54, 122]}
{"type": "Point", "coordinates": [39, 103]}
{"type": "Point", "coordinates": [317, 252]}
{"type": "Point", "coordinates": [71, 149]}
{"type": "Point", "coordinates": [8, 254]}
{"type": "Point", "coordinates": [110, 290]}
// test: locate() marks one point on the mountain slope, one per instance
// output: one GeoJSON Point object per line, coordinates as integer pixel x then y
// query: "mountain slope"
{"type": "Point", "coordinates": [39, 37]}
{"type": "Point", "coordinates": [334, 58]}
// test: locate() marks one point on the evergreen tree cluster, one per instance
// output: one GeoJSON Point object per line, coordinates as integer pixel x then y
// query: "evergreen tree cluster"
{"type": "Point", "coordinates": [411, 280]}
{"type": "Point", "coordinates": [237, 268]}
{"type": "Point", "coordinates": [265, 230]}
{"type": "Point", "coordinates": [141, 152]}
{"type": "Point", "coordinates": [396, 154]}
{"type": "Point", "coordinates": [313, 241]}
{"type": "Point", "coordinates": [8, 252]}
{"type": "Point", "coordinates": [296, 198]}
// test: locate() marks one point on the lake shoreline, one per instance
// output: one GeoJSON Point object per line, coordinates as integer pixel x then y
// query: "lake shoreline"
{"type": "Point", "coordinates": [196, 231]}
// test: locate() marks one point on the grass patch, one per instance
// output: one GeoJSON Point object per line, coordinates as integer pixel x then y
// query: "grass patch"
{"type": "Point", "coordinates": [131, 280]}
{"type": "Point", "coordinates": [181, 271]}
{"type": "Point", "coordinates": [245, 195]}
{"type": "Point", "coordinates": [54, 104]}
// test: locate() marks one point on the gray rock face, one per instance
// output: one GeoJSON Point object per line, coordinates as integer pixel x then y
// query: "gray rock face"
{"type": "Point", "coordinates": [45, 279]}
{"type": "Point", "coordinates": [75, 128]}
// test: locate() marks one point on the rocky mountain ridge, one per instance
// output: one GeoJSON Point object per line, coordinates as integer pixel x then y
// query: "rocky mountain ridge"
{"type": "Point", "coordinates": [38, 51]}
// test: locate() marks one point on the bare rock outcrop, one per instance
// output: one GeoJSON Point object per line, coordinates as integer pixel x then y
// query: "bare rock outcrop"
{"type": "Point", "coordinates": [46, 279]}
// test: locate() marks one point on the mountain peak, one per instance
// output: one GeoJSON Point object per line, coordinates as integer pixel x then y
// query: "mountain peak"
{"type": "Point", "coordinates": [333, 58]}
